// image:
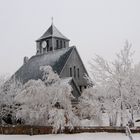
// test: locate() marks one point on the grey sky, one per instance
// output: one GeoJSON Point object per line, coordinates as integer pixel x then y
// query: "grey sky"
{"type": "Point", "coordinates": [94, 26]}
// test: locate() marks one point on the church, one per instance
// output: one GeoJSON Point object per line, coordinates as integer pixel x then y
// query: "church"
{"type": "Point", "coordinates": [53, 49]}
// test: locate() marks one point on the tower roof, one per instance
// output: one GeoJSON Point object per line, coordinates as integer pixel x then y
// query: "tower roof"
{"type": "Point", "coordinates": [52, 32]}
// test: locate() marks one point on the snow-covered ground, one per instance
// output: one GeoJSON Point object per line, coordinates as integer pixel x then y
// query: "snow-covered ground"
{"type": "Point", "coordinates": [82, 136]}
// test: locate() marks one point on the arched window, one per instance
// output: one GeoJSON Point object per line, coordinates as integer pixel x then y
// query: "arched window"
{"type": "Point", "coordinates": [47, 45]}
{"type": "Point", "coordinates": [61, 44]}
{"type": "Point", "coordinates": [78, 74]}
{"type": "Point", "coordinates": [74, 72]}
{"type": "Point", "coordinates": [57, 44]}
{"type": "Point", "coordinates": [70, 72]}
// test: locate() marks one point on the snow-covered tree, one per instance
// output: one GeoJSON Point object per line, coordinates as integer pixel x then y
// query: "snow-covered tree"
{"type": "Point", "coordinates": [48, 75]}
{"type": "Point", "coordinates": [118, 80]}
{"type": "Point", "coordinates": [47, 102]}
{"type": "Point", "coordinates": [132, 96]}
{"type": "Point", "coordinates": [34, 103]}
{"type": "Point", "coordinates": [60, 97]}
{"type": "Point", "coordinates": [9, 89]}
{"type": "Point", "coordinates": [90, 105]}
{"type": "Point", "coordinates": [2, 81]}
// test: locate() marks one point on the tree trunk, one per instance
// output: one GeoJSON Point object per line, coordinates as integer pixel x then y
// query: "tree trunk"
{"type": "Point", "coordinates": [121, 123]}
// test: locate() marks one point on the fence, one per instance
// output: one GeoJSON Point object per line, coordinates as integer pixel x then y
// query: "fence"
{"type": "Point", "coordinates": [38, 130]}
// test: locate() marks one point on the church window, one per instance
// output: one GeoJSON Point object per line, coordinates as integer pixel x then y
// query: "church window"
{"type": "Point", "coordinates": [64, 44]}
{"type": "Point", "coordinates": [78, 74]}
{"type": "Point", "coordinates": [57, 44]}
{"type": "Point", "coordinates": [70, 72]}
{"type": "Point", "coordinates": [61, 44]}
{"type": "Point", "coordinates": [74, 72]}
{"type": "Point", "coordinates": [47, 45]}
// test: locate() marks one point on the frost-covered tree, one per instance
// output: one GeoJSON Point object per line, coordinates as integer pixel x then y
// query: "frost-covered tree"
{"type": "Point", "coordinates": [60, 97]}
{"type": "Point", "coordinates": [90, 105]}
{"type": "Point", "coordinates": [2, 81]}
{"type": "Point", "coordinates": [132, 96]}
{"type": "Point", "coordinates": [47, 102]}
{"type": "Point", "coordinates": [48, 75]}
{"type": "Point", "coordinates": [118, 80]}
{"type": "Point", "coordinates": [8, 90]}
{"type": "Point", "coordinates": [34, 103]}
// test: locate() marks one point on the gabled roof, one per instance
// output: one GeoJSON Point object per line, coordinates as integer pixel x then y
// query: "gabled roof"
{"type": "Point", "coordinates": [53, 32]}
{"type": "Point", "coordinates": [31, 70]}
{"type": "Point", "coordinates": [74, 49]}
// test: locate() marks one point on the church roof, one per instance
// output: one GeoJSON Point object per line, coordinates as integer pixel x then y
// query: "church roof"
{"type": "Point", "coordinates": [31, 70]}
{"type": "Point", "coordinates": [52, 32]}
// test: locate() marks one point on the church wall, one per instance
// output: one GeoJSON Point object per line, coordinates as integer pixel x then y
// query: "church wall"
{"type": "Point", "coordinates": [74, 61]}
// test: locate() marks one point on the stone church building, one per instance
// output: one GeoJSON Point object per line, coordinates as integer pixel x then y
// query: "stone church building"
{"type": "Point", "coordinates": [53, 49]}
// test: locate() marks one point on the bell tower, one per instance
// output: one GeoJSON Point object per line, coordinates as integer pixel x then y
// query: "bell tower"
{"type": "Point", "coordinates": [51, 40]}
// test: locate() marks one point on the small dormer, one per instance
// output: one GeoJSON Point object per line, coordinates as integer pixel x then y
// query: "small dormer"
{"type": "Point", "coordinates": [51, 40]}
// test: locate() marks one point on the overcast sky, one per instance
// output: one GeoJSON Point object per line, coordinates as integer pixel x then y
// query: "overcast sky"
{"type": "Point", "coordinates": [94, 26]}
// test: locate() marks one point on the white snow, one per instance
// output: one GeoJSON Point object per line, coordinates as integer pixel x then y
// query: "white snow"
{"type": "Point", "coordinates": [82, 136]}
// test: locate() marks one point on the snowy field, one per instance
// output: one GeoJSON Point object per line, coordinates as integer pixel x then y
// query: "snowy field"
{"type": "Point", "coordinates": [82, 136]}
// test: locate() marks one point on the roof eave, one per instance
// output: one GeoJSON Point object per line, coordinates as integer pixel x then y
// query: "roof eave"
{"type": "Point", "coordinates": [41, 38]}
